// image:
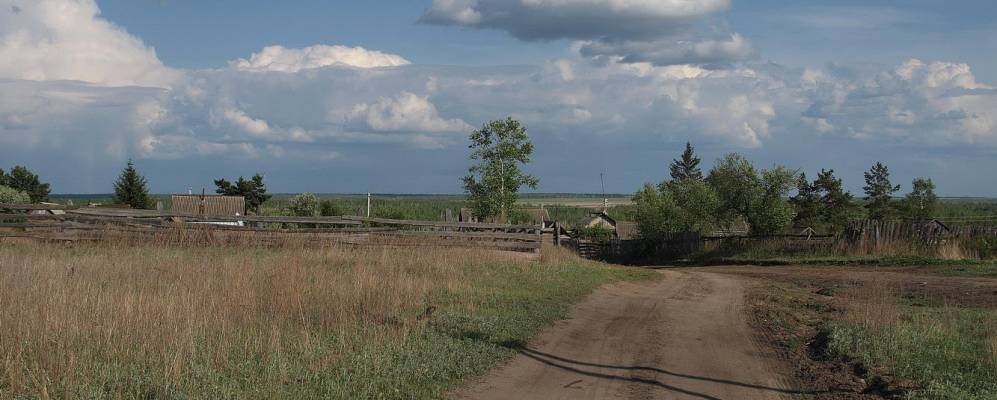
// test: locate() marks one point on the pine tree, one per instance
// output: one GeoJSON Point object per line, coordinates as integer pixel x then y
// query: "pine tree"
{"type": "Point", "coordinates": [687, 167]}
{"type": "Point", "coordinates": [879, 192]}
{"type": "Point", "coordinates": [131, 188]}
{"type": "Point", "coordinates": [253, 190]}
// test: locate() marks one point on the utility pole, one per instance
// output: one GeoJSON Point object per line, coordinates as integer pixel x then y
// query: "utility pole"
{"type": "Point", "coordinates": [368, 204]}
{"type": "Point", "coordinates": [605, 200]}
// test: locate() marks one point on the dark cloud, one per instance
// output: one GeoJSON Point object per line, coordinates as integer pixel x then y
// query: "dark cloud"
{"type": "Point", "coordinates": [660, 32]}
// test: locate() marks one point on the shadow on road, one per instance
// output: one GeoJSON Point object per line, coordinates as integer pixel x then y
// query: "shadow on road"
{"type": "Point", "coordinates": [572, 366]}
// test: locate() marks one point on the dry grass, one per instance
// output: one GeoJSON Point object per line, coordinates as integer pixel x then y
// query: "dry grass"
{"type": "Point", "coordinates": [77, 317]}
{"type": "Point", "coordinates": [874, 305]}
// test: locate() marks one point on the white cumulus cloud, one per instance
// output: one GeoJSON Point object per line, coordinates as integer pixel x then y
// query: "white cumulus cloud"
{"type": "Point", "coordinates": [45, 40]}
{"type": "Point", "coordinates": [406, 112]}
{"type": "Point", "coordinates": [282, 59]}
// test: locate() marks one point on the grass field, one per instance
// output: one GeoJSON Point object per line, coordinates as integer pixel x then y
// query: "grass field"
{"type": "Point", "coordinates": [105, 322]}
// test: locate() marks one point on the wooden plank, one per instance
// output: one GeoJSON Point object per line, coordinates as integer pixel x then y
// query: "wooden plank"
{"type": "Point", "coordinates": [35, 207]}
{"type": "Point", "coordinates": [148, 214]}
{"type": "Point", "coordinates": [439, 224]}
{"type": "Point", "coordinates": [468, 235]}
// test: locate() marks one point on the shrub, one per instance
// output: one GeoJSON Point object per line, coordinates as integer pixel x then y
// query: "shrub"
{"type": "Point", "coordinates": [13, 196]}
{"type": "Point", "coordinates": [304, 205]}
{"type": "Point", "coordinates": [328, 208]}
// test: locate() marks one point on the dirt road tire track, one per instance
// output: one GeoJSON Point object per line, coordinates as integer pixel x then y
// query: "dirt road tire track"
{"type": "Point", "coordinates": [683, 337]}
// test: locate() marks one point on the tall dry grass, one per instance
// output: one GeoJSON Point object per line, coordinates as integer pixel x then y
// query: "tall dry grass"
{"type": "Point", "coordinates": [73, 316]}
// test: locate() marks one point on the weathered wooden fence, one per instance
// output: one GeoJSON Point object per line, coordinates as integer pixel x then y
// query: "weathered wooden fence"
{"type": "Point", "coordinates": [80, 224]}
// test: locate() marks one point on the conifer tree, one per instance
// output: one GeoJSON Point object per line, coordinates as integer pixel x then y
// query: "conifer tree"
{"type": "Point", "coordinates": [879, 192]}
{"type": "Point", "coordinates": [686, 168]}
{"type": "Point", "coordinates": [131, 188]}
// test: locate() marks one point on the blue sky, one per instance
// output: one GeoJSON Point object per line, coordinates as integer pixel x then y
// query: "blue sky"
{"type": "Point", "coordinates": [379, 96]}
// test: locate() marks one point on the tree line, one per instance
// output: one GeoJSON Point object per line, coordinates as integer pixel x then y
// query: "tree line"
{"type": "Point", "coordinates": [734, 192]}
{"type": "Point", "coordinates": [131, 188]}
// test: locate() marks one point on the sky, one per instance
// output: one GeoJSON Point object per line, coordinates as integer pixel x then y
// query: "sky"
{"type": "Point", "coordinates": [379, 96]}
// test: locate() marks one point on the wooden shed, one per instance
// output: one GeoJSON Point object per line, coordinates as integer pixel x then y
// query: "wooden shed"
{"type": "Point", "coordinates": [211, 206]}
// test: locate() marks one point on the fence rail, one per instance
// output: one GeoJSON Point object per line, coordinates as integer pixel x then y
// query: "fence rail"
{"type": "Point", "coordinates": [87, 224]}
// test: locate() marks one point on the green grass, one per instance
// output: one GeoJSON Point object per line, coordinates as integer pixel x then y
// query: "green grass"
{"type": "Point", "coordinates": [466, 342]}
{"type": "Point", "coordinates": [947, 351]}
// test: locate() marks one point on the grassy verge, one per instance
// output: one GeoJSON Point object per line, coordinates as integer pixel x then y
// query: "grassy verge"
{"type": "Point", "coordinates": [878, 344]}
{"type": "Point", "coordinates": [949, 353]}
{"type": "Point", "coordinates": [110, 322]}
{"type": "Point", "coordinates": [926, 264]}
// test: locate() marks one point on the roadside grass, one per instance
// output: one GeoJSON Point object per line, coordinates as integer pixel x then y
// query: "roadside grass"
{"type": "Point", "coordinates": [937, 266]}
{"type": "Point", "coordinates": [901, 348]}
{"type": "Point", "coordinates": [106, 322]}
{"type": "Point", "coordinates": [947, 351]}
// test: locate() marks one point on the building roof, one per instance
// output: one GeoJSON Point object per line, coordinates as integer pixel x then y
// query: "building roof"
{"type": "Point", "coordinates": [601, 216]}
{"type": "Point", "coordinates": [217, 206]}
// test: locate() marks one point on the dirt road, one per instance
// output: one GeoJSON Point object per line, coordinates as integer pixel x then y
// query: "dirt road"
{"type": "Point", "coordinates": [684, 337]}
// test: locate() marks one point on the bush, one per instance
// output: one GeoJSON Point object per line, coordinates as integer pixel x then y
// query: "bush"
{"type": "Point", "coordinates": [597, 233]}
{"type": "Point", "coordinates": [985, 247]}
{"type": "Point", "coordinates": [12, 196]}
{"type": "Point", "coordinates": [328, 208]}
{"type": "Point", "coordinates": [304, 205]}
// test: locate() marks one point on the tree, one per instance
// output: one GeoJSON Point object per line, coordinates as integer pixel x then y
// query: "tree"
{"type": "Point", "coordinates": [838, 206]}
{"type": "Point", "coordinates": [879, 192]}
{"type": "Point", "coordinates": [758, 198]}
{"type": "Point", "coordinates": [499, 148]}
{"type": "Point", "coordinates": [9, 195]}
{"type": "Point", "coordinates": [24, 180]}
{"type": "Point", "coordinates": [807, 202]}
{"type": "Point", "coordinates": [771, 212]}
{"type": "Point", "coordinates": [253, 190]}
{"type": "Point", "coordinates": [655, 213]}
{"type": "Point", "coordinates": [304, 205]}
{"type": "Point", "coordinates": [686, 168]}
{"type": "Point", "coordinates": [737, 184]}
{"type": "Point", "coordinates": [920, 202]}
{"type": "Point", "coordinates": [824, 204]}
{"type": "Point", "coordinates": [130, 188]}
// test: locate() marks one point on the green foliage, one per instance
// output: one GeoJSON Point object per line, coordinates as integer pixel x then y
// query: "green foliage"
{"type": "Point", "coordinates": [9, 195]}
{"type": "Point", "coordinates": [686, 168]}
{"type": "Point", "coordinates": [985, 247]}
{"type": "Point", "coordinates": [759, 198]}
{"type": "Point", "coordinates": [328, 208]}
{"type": "Point", "coordinates": [879, 192]}
{"type": "Point", "coordinates": [597, 233]}
{"type": "Point", "coordinates": [304, 205]}
{"type": "Point", "coordinates": [921, 201]}
{"type": "Point", "coordinates": [22, 179]}
{"type": "Point", "coordinates": [492, 184]}
{"type": "Point", "coordinates": [130, 188]}
{"type": "Point", "coordinates": [655, 213]}
{"type": "Point", "coordinates": [684, 204]}
{"type": "Point", "coordinates": [946, 351]}
{"type": "Point", "coordinates": [824, 204]}
{"type": "Point", "coordinates": [254, 191]}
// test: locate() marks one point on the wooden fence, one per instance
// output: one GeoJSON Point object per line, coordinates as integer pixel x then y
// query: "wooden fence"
{"type": "Point", "coordinates": [81, 224]}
